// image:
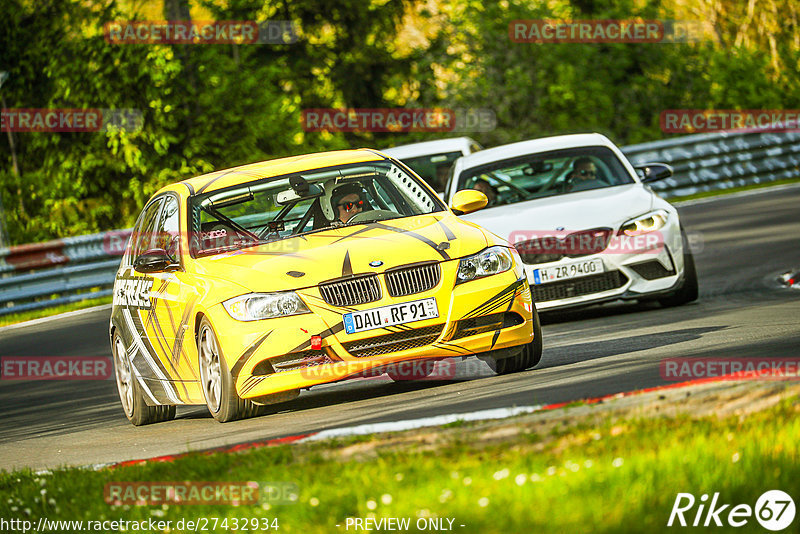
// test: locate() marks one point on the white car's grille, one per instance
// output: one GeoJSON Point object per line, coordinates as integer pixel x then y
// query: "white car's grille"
{"type": "Point", "coordinates": [577, 287]}
{"type": "Point", "coordinates": [547, 249]}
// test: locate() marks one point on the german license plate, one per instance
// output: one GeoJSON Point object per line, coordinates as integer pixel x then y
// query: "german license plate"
{"type": "Point", "coordinates": [575, 269]}
{"type": "Point", "coordinates": [406, 312]}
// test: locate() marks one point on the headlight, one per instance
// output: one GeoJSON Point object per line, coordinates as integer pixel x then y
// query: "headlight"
{"type": "Point", "coordinates": [491, 261]}
{"type": "Point", "coordinates": [644, 224]}
{"type": "Point", "coordinates": [256, 306]}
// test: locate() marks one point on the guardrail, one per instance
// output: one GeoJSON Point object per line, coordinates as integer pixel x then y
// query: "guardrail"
{"type": "Point", "coordinates": [707, 162]}
{"type": "Point", "coordinates": [58, 272]}
{"type": "Point", "coordinates": [67, 270]}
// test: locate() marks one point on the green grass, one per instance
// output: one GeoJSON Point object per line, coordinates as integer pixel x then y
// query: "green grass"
{"type": "Point", "coordinates": [720, 192]}
{"type": "Point", "coordinates": [13, 318]}
{"type": "Point", "coordinates": [617, 476]}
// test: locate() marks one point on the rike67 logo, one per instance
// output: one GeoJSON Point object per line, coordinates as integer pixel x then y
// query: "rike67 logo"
{"type": "Point", "coordinates": [774, 510]}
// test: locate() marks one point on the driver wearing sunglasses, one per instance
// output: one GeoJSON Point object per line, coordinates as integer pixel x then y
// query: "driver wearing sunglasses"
{"type": "Point", "coordinates": [347, 202]}
{"type": "Point", "coordinates": [583, 175]}
{"type": "Point", "coordinates": [584, 169]}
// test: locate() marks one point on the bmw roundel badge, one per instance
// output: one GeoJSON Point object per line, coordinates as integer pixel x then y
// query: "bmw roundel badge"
{"type": "Point", "coordinates": [375, 263]}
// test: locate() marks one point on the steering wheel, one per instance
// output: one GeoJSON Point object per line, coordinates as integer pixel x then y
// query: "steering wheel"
{"type": "Point", "coordinates": [567, 185]}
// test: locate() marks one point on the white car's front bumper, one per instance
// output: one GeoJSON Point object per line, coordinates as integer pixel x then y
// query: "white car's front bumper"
{"type": "Point", "coordinates": [627, 273]}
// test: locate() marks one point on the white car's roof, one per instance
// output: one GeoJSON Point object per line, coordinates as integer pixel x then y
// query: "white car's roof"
{"type": "Point", "coordinates": [413, 150]}
{"type": "Point", "coordinates": [534, 146]}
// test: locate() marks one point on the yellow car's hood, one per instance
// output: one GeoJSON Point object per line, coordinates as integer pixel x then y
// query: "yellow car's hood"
{"type": "Point", "coordinates": [306, 261]}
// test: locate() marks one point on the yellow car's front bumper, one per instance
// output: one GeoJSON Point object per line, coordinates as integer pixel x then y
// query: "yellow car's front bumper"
{"type": "Point", "coordinates": [276, 355]}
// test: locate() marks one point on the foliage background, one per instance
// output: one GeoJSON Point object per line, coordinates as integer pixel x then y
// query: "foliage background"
{"type": "Point", "coordinates": [214, 106]}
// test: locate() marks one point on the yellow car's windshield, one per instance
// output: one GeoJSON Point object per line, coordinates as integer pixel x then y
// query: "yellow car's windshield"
{"type": "Point", "coordinates": [286, 206]}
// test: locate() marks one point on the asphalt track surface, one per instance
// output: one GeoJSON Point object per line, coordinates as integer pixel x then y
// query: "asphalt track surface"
{"type": "Point", "coordinates": [743, 243]}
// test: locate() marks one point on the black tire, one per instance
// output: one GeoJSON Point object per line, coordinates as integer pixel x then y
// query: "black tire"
{"type": "Point", "coordinates": [136, 409]}
{"type": "Point", "coordinates": [531, 353]}
{"type": "Point", "coordinates": [217, 382]}
{"type": "Point", "coordinates": [410, 370]}
{"type": "Point", "coordinates": [688, 292]}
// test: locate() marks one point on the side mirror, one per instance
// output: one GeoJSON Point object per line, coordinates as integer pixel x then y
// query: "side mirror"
{"type": "Point", "coordinates": [152, 261]}
{"type": "Point", "coordinates": [467, 201]}
{"type": "Point", "coordinates": [653, 172]}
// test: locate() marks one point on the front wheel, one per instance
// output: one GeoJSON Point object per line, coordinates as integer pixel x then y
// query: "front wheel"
{"type": "Point", "coordinates": [530, 356]}
{"type": "Point", "coordinates": [130, 391]}
{"type": "Point", "coordinates": [219, 389]}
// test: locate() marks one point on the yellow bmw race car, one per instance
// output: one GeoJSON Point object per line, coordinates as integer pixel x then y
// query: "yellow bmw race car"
{"type": "Point", "coordinates": [241, 287]}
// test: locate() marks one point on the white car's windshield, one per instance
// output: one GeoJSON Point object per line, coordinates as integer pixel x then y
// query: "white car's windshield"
{"type": "Point", "coordinates": [292, 205]}
{"type": "Point", "coordinates": [545, 174]}
{"type": "Point", "coordinates": [433, 168]}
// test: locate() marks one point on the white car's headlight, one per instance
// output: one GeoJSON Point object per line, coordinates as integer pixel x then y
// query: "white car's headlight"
{"type": "Point", "coordinates": [492, 260]}
{"type": "Point", "coordinates": [645, 224]}
{"type": "Point", "coordinates": [257, 306]}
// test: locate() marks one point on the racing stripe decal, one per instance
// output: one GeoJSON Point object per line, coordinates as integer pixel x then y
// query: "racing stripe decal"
{"type": "Point", "coordinates": [352, 234]}
{"type": "Point", "coordinates": [451, 329]}
{"type": "Point", "coordinates": [497, 332]}
{"type": "Point", "coordinates": [250, 383]}
{"type": "Point", "coordinates": [444, 345]}
{"type": "Point", "coordinates": [131, 352]}
{"type": "Point", "coordinates": [347, 268]}
{"type": "Point", "coordinates": [497, 301]}
{"type": "Point", "coordinates": [153, 321]}
{"type": "Point", "coordinates": [324, 305]}
{"type": "Point", "coordinates": [157, 371]}
{"type": "Point", "coordinates": [447, 232]}
{"type": "Point", "coordinates": [212, 180]}
{"type": "Point", "coordinates": [144, 383]}
{"type": "Point", "coordinates": [148, 370]}
{"type": "Point", "coordinates": [237, 367]}
{"type": "Point", "coordinates": [380, 226]}
{"type": "Point", "coordinates": [241, 172]}
{"type": "Point", "coordinates": [415, 235]}
{"type": "Point", "coordinates": [180, 334]}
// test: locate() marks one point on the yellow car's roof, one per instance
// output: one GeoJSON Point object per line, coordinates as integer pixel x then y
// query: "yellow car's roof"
{"type": "Point", "coordinates": [277, 167]}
